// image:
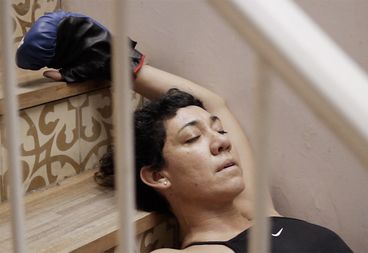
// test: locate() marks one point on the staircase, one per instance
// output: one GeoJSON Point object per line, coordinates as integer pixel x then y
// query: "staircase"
{"type": "Point", "coordinates": [79, 216]}
{"type": "Point", "coordinates": [65, 129]}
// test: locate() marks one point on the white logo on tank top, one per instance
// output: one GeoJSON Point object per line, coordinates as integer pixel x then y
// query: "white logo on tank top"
{"type": "Point", "coordinates": [278, 233]}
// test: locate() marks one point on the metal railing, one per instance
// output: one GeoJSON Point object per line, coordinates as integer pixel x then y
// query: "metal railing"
{"type": "Point", "coordinates": [11, 128]}
{"type": "Point", "coordinates": [316, 69]}
{"type": "Point", "coordinates": [123, 126]}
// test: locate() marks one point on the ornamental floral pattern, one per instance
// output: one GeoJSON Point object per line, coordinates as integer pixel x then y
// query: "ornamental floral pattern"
{"type": "Point", "coordinates": [165, 235]}
{"type": "Point", "coordinates": [25, 12]}
{"type": "Point", "coordinates": [62, 138]}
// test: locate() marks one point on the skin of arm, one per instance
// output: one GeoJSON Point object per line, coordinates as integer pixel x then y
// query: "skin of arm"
{"type": "Point", "coordinates": [153, 83]}
{"type": "Point", "coordinates": [166, 251]}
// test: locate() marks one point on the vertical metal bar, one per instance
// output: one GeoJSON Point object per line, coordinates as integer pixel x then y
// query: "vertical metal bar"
{"type": "Point", "coordinates": [11, 127]}
{"type": "Point", "coordinates": [123, 129]}
{"type": "Point", "coordinates": [260, 236]}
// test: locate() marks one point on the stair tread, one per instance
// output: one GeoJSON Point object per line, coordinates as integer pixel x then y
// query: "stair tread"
{"type": "Point", "coordinates": [71, 216]}
{"type": "Point", "coordinates": [33, 89]}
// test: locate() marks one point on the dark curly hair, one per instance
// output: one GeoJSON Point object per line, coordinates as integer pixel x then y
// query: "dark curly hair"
{"type": "Point", "coordinates": [150, 136]}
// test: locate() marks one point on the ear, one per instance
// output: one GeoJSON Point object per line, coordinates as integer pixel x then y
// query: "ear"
{"type": "Point", "coordinates": [154, 178]}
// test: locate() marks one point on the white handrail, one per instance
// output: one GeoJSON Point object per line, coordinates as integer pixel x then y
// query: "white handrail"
{"type": "Point", "coordinates": [311, 63]}
{"type": "Point", "coordinates": [11, 127]}
{"type": "Point", "coordinates": [124, 165]}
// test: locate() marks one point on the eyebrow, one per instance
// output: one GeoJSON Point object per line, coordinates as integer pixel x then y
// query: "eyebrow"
{"type": "Point", "coordinates": [213, 119]}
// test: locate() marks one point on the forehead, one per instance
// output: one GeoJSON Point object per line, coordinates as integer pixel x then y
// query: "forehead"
{"type": "Point", "coordinates": [185, 115]}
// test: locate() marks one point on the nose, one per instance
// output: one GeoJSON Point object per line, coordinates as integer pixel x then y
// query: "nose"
{"type": "Point", "coordinates": [220, 143]}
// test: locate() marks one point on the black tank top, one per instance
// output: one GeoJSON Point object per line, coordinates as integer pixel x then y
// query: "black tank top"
{"type": "Point", "coordinates": [290, 235]}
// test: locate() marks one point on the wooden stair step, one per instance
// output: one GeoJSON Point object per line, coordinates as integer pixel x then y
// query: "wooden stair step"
{"type": "Point", "coordinates": [33, 89]}
{"type": "Point", "coordinates": [75, 216]}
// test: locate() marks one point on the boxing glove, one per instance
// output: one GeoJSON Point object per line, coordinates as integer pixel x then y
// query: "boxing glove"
{"type": "Point", "coordinates": [77, 45]}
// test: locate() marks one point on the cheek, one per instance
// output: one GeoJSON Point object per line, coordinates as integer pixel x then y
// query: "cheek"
{"type": "Point", "coordinates": [185, 156]}
{"type": "Point", "coordinates": [188, 166]}
{"type": "Point", "coordinates": [194, 160]}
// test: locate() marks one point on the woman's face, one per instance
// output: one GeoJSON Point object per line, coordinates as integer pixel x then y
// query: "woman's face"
{"type": "Point", "coordinates": [200, 161]}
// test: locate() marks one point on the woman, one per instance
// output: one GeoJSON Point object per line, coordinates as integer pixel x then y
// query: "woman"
{"type": "Point", "coordinates": [194, 161]}
{"type": "Point", "coordinates": [192, 157]}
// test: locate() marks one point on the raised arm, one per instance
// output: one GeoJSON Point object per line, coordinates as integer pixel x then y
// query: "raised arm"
{"type": "Point", "coordinates": [152, 83]}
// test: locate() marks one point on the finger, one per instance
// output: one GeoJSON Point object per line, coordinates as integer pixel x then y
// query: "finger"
{"type": "Point", "coordinates": [53, 74]}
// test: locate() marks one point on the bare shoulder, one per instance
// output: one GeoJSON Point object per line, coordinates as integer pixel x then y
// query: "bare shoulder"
{"type": "Point", "coordinates": [188, 250]}
{"type": "Point", "coordinates": [167, 250]}
{"type": "Point", "coordinates": [197, 249]}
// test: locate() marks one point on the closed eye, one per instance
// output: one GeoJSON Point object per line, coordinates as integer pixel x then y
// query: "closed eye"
{"type": "Point", "coordinates": [222, 132]}
{"type": "Point", "coordinates": [191, 140]}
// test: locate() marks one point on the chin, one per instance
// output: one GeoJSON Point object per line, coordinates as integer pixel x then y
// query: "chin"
{"type": "Point", "coordinates": [234, 188]}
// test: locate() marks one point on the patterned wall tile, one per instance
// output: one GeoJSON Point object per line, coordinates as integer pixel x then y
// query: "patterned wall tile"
{"type": "Point", "coordinates": [95, 119]}
{"type": "Point", "coordinates": [164, 235]}
{"type": "Point", "coordinates": [25, 12]}
{"type": "Point", "coordinates": [49, 144]}
{"type": "Point", "coordinates": [96, 131]}
{"type": "Point", "coordinates": [62, 138]}
{"type": "Point", "coordinates": [56, 151]}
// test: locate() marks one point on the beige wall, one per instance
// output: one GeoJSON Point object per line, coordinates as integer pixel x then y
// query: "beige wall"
{"type": "Point", "coordinates": [314, 177]}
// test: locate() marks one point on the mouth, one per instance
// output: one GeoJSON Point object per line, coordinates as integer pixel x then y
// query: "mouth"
{"type": "Point", "coordinates": [227, 164]}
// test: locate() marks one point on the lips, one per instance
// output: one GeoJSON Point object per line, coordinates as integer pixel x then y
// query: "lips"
{"type": "Point", "coordinates": [226, 164]}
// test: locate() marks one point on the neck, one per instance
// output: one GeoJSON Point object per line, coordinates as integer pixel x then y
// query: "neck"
{"type": "Point", "coordinates": [204, 223]}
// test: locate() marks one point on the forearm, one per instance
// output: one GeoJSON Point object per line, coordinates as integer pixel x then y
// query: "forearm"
{"type": "Point", "coordinates": [153, 83]}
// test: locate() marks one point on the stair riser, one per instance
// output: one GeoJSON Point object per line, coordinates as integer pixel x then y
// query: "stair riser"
{"type": "Point", "coordinates": [26, 12]}
{"type": "Point", "coordinates": [60, 139]}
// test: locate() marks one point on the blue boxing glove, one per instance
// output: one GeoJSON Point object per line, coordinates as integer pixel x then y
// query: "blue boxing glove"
{"type": "Point", "coordinates": [75, 44]}
{"type": "Point", "coordinates": [37, 48]}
